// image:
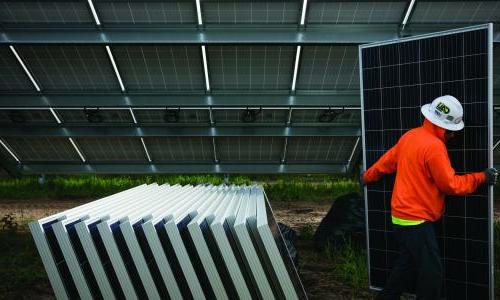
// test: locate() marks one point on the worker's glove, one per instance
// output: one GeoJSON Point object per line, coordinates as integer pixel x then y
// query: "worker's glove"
{"type": "Point", "coordinates": [491, 176]}
{"type": "Point", "coordinates": [362, 182]}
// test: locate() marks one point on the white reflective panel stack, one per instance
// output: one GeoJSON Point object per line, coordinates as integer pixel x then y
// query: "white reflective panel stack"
{"type": "Point", "coordinates": [169, 242]}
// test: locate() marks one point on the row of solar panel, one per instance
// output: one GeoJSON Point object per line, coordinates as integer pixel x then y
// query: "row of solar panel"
{"type": "Point", "coordinates": [174, 115]}
{"type": "Point", "coordinates": [180, 68]}
{"type": "Point", "coordinates": [246, 12]}
{"type": "Point", "coordinates": [176, 68]}
{"type": "Point", "coordinates": [213, 242]}
{"type": "Point", "coordinates": [181, 149]}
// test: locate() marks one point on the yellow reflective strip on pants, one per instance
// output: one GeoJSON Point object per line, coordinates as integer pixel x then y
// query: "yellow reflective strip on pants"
{"type": "Point", "coordinates": [403, 222]}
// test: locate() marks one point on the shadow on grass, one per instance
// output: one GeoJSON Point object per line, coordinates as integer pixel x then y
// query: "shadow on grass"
{"type": "Point", "coordinates": [22, 275]}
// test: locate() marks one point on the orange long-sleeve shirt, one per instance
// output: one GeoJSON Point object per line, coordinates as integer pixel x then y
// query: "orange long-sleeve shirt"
{"type": "Point", "coordinates": [424, 174]}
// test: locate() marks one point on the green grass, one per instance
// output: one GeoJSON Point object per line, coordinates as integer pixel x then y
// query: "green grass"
{"type": "Point", "coordinates": [90, 186]}
{"type": "Point", "coordinates": [350, 265]}
{"type": "Point", "coordinates": [278, 188]}
{"type": "Point", "coordinates": [296, 189]}
{"type": "Point", "coordinates": [20, 265]}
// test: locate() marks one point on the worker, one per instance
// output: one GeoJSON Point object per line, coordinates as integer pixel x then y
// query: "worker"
{"type": "Point", "coordinates": [424, 176]}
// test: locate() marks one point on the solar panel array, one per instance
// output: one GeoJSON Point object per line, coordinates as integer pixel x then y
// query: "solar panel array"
{"type": "Point", "coordinates": [170, 242]}
{"type": "Point", "coordinates": [287, 73]}
{"type": "Point", "coordinates": [398, 78]}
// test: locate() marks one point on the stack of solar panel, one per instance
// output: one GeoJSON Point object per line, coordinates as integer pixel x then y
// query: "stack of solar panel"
{"type": "Point", "coordinates": [173, 242]}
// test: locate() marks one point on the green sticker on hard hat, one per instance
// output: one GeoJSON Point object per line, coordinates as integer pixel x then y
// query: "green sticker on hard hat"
{"type": "Point", "coordinates": [443, 108]}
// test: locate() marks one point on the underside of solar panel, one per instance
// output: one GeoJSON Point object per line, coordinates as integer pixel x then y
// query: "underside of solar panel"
{"type": "Point", "coordinates": [169, 242]}
{"type": "Point", "coordinates": [397, 78]}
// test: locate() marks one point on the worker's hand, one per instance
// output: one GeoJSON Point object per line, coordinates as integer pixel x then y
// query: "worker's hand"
{"type": "Point", "coordinates": [491, 176]}
{"type": "Point", "coordinates": [362, 182]}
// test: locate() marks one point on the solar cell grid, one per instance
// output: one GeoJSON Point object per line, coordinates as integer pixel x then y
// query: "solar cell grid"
{"type": "Point", "coordinates": [42, 149]}
{"type": "Point", "coordinates": [327, 149]}
{"type": "Point", "coordinates": [398, 78]}
{"type": "Point", "coordinates": [112, 149]}
{"type": "Point", "coordinates": [36, 12]}
{"type": "Point", "coordinates": [180, 149]}
{"type": "Point", "coordinates": [70, 67]}
{"type": "Point", "coordinates": [328, 68]}
{"type": "Point", "coordinates": [251, 67]}
{"type": "Point", "coordinates": [240, 148]}
{"type": "Point", "coordinates": [350, 12]}
{"type": "Point", "coordinates": [12, 75]}
{"type": "Point", "coordinates": [456, 12]}
{"type": "Point", "coordinates": [146, 12]}
{"type": "Point", "coordinates": [153, 68]}
{"type": "Point", "coordinates": [251, 12]}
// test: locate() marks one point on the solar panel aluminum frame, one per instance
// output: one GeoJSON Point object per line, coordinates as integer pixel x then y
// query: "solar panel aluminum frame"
{"type": "Point", "coordinates": [68, 247]}
{"type": "Point", "coordinates": [155, 200]}
{"type": "Point", "coordinates": [41, 242]}
{"type": "Point", "coordinates": [173, 233]}
{"type": "Point", "coordinates": [195, 231]}
{"type": "Point", "coordinates": [83, 231]}
{"type": "Point", "coordinates": [241, 231]}
{"type": "Point", "coordinates": [155, 246]}
{"type": "Point", "coordinates": [127, 225]}
{"type": "Point", "coordinates": [106, 234]}
{"type": "Point", "coordinates": [291, 287]}
{"type": "Point", "coordinates": [489, 27]}
{"type": "Point", "coordinates": [220, 228]}
{"type": "Point", "coordinates": [203, 267]}
{"type": "Point", "coordinates": [148, 226]}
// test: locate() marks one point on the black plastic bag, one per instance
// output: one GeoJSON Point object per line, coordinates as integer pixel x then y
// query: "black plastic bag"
{"type": "Point", "coordinates": [344, 223]}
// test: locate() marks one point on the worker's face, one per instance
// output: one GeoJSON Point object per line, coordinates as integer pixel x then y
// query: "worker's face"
{"type": "Point", "coordinates": [448, 135]}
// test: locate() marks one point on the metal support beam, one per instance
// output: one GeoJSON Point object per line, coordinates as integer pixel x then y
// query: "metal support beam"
{"type": "Point", "coordinates": [354, 155]}
{"type": "Point", "coordinates": [216, 159]}
{"type": "Point", "coordinates": [340, 98]}
{"type": "Point", "coordinates": [124, 168]}
{"type": "Point", "coordinates": [350, 34]}
{"type": "Point", "coordinates": [284, 151]}
{"type": "Point", "coordinates": [291, 35]}
{"type": "Point", "coordinates": [407, 13]}
{"type": "Point", "coordinates": [104, 130]}
{"type": "Point", "coordinates": [285, 143]}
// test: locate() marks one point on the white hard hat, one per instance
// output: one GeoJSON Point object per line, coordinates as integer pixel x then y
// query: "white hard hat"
{"type": "Point", "coordinates": [445, 112]}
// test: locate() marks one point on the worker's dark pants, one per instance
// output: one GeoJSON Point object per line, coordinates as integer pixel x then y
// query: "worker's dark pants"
{"type": "Point", "coordinates": [419, 263]}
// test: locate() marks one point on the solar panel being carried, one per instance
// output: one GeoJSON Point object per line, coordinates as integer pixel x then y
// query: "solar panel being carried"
{"type": "Point", "coordinates": [398, 77]}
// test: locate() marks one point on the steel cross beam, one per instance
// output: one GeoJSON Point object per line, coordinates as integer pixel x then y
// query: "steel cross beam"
{"type": "Point", "coordinates": [217, 35]}
{"type": "Point", "coordinates": [103, 130]}
{"type": "Point", "coordinates": [338, 98]}
{"type": "Point", "coordinates": [137, 168]}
